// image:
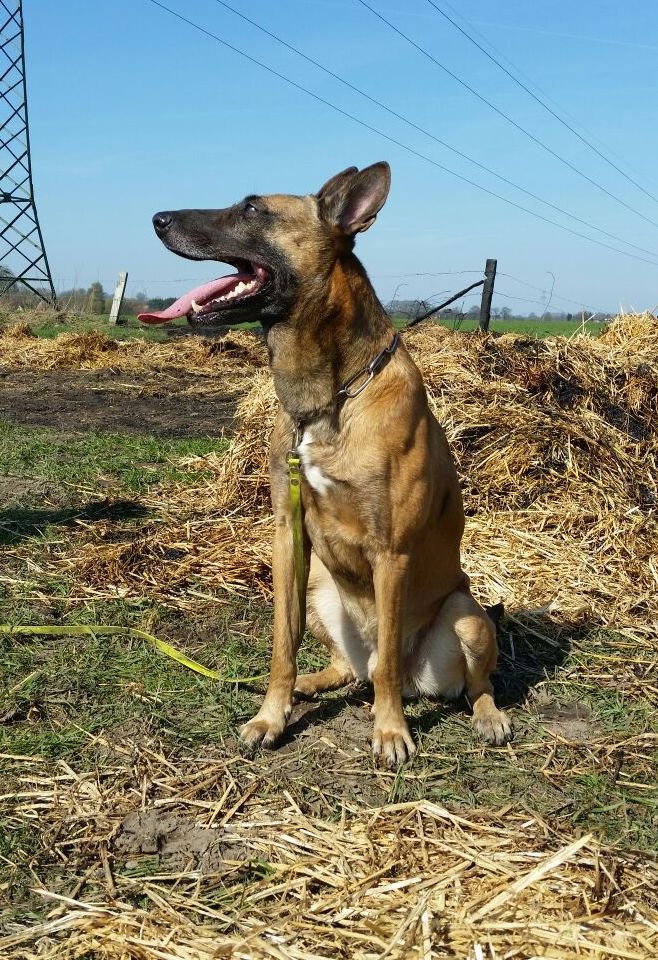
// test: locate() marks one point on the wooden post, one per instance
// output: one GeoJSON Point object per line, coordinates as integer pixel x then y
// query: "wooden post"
{"type": "Point", "coordinates": [487, 293]}
{"type": "Point", "coordinates": [118, 297]}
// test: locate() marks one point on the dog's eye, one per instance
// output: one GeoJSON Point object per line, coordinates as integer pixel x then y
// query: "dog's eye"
{"type": "Point", "coordinates": [249, 209]}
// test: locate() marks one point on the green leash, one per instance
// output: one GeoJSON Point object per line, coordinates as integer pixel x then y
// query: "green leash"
{"type": "Point", "coordinates": [91, 630]}
{"type": "Point", "coordinates": [295, 487]}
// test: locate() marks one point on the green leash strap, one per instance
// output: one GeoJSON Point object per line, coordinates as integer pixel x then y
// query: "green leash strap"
{"type": "Point", "coordinates": [295, 486]}
{"type": "Point", "coordinates": [91, 630]}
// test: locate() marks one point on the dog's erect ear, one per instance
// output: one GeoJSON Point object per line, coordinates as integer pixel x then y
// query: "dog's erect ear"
{"type": "Point", "coordinates": [336, 181]}
{"type": "Point", "coordinates": [351, 200]}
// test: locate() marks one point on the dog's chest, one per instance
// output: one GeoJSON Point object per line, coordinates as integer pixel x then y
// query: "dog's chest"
{"type": "Point", "coordinates": [313, 465]}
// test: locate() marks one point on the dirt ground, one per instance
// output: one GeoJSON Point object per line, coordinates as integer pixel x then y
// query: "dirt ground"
{"type": "Point", "coordinates": [158, 403]}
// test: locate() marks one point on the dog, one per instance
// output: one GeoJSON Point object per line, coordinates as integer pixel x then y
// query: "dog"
{"type": "Point", "coordinates": [383, 514]}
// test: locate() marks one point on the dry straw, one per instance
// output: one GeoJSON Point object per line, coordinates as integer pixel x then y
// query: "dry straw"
{"type": "Point", "coordinates": [235, 871]}
{"type": "Point", "coordinates": [556, 443]}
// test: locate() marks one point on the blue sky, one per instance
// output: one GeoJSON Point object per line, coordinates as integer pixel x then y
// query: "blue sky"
{"type": "Point", "coordinates": [133, 111]}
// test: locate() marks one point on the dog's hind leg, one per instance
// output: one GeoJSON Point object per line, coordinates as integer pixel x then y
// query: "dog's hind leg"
{"type": "Point", "coordinates": [329, 622]}
{"type": "Point", "coordinates": [338, 674]}
{"type": "Point", "coordinates": [477, 637]}
{"type": "Point", "coordinates": [460, 650]}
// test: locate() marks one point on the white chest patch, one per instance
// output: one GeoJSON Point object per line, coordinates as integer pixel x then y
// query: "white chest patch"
{"type": "Point", "coordinates": [314, 475]}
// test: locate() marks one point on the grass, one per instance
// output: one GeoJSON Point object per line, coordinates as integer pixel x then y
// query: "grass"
{"type": "Point", "coordinates": [130, 327]}
{"type": "Point", "coordinates": [130, 463]}
{"type": "Point", "coordinates": [583, 758]}
{"type": "Point", "coordinates": [520, 325]}
{"type": "Point", "coordinates": [60, 693]}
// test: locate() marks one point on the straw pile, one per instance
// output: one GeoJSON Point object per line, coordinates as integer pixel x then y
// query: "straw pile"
{"type": "Point", "coordinates": [556, 444]}
{"type": "Point", "coordinates": [160, 858]}
{"type": "Point", "coordinates": [211, 867]}
{"type": "Point", "coordinates": [19, 347]}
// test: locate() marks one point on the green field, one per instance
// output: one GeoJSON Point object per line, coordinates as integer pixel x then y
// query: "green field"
{"type": "Point", "coordinates": [521, 325]}
{"type": "Point", "coordinates": [131, 327]}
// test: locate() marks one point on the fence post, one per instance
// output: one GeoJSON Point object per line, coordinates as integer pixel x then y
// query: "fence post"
{"type": "Point", "coordinates": [118, 297]}
{"type": "Point", "coordinates": [487, 293]}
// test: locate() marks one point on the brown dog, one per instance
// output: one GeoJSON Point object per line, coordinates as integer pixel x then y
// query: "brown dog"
{"type": "Point", "coordinates": [383, 509]}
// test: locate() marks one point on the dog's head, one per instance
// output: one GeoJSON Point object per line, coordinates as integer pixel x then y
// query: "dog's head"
{"type": "Point", "coordinates": [276, 243]}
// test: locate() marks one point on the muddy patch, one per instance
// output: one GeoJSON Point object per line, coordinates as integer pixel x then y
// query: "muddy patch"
{"type": "Point", "coordinates": [178, 843]}
{"type": "Point", "coordinates": [572, 721]}
{"type": "Point", "coordinates": [165, 403]}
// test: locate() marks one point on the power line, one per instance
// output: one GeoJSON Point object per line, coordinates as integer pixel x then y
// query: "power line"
{"type": "Point", "coordinates": [543, 92]}
{"type": "Point", "coordinates": [556, 296]}
{"type": "Point", "coordinates": [393, 140]}
{"type": "Point", "coordinates": [442, 273]}
{"type": "Point", "coordinates": [539, 100]}
{"type": "Point", "coordinates": [505, 116]}
{"type": "Point", "coordinates": [427, 133]}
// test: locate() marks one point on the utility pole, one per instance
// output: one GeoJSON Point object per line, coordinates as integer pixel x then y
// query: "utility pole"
{"type": "Point", "coordinates": [23, 260]}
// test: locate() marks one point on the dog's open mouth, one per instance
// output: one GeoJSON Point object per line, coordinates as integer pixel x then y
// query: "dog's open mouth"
{"type": "Point", "coordinates": [204, 303]}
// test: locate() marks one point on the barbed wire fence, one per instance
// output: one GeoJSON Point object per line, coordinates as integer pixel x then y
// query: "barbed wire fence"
{"type": "Point", "coordinates": [416, 309]}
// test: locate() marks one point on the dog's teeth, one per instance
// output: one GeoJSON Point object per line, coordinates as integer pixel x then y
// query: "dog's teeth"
{"type": "Point", "coordinates": [239, 289]}
{"type": "Point", "coordinates": [196, 306]}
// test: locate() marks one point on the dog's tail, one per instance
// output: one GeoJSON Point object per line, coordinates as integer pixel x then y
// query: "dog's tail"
{"type": "Point", "coordinates": [496, 613]}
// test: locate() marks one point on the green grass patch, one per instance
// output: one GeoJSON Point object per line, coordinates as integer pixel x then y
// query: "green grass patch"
{"type": "Point", "coordinates": [60, 691]}
{"type": "Point", "coordinates": [130, 462]}
{"type": "Point", "coordinates": [131, 328]}
{"type": "Point", "coordinates": [522, 326]}
{"type": "Point", "coordinates": [128, 328]}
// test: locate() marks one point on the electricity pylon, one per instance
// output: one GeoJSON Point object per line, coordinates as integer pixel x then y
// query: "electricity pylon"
{"type": "Point", "coordinates": [23, 260]}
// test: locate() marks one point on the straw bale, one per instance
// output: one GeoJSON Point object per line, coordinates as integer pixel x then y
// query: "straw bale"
{"type": "Point", "coordinates": [409, 880]}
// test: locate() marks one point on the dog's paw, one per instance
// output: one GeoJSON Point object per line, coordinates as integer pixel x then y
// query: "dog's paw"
{"type": "Point", "coordinates": [393, 745]}
{"type": "Point", "coordinates": [266, 729]}
{"type": "Point", "coordinates": [306, 687]}
{"type": "Point", "coordinates": [493, 727]}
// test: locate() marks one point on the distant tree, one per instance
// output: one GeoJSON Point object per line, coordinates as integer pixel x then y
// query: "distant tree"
{"type": "Point", "coordinates": [6, 279]}
{"type": "Point", "coordinates": [505, 313]}
{"type": "Point", "coordinates": [160, 303]}
{"type": "Point", "coordinates": [96, 298]}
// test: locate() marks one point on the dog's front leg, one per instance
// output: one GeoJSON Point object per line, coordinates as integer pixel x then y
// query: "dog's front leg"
{"type": "Point", "coordinates": [391, 738]}
{"type": "Point", "coordinates": [270, 721]}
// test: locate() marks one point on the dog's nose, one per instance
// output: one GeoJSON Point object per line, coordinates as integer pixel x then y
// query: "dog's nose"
{"type": "Point", "coordinates": [162, 222]}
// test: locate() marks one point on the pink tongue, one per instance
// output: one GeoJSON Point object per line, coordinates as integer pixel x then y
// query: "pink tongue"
{"type": "Point", "coordinates": [207, 291]}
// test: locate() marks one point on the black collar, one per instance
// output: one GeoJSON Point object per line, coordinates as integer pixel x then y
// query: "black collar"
{"type": "Point", "coordinates": [348, 391]}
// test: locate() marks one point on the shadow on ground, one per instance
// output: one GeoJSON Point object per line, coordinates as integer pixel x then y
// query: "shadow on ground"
{"type": "Point", "coordinates": [326, 752]}
{"type": "Point", "coordinates": [18, 523]}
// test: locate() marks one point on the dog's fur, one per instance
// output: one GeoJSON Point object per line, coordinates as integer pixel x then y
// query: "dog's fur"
{"type": "Point", "coordinates": [383, 509]}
